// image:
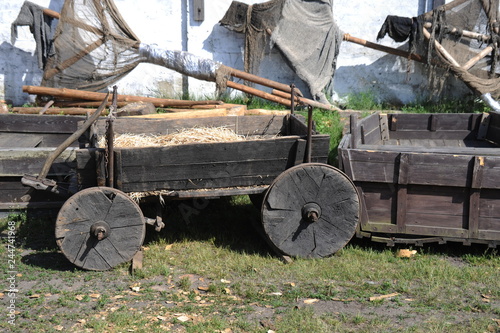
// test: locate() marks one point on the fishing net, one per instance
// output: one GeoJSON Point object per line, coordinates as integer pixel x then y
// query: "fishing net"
{"type": "Point", "coordinates": [94, 48]}
{"type": "Point", "coordinates": [461, 36]}
{"type": "Point", "coordinates": [304, 31]}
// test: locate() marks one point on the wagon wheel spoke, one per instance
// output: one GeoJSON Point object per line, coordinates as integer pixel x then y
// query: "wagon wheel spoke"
{"type": "Point", "coordinates": [310, 211]}
{"type": "Point", "coordinates": [99, 228]}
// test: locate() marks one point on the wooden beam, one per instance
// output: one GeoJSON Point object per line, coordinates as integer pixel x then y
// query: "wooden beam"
{"type": "Point", "coordinates": [384, 48]}
{"type": "Point", "coordinates": [95, 96]}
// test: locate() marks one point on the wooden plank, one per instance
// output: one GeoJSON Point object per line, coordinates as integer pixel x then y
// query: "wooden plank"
{"type": "Point", "coordinates": [491, 172]}
{"type": "Point", "coordinates": [21, 123]}
{"type": "Point", "coordinates": [17, 162]}
{"type": "Point", "coordinates": [372, 166]}
{"type": "Point", "coordinates": [370, 129]}
{"type": "Point", "coordinates": [214, 193]}
{"type": "Point", "coordinates": [440, 169]}
{"type": "Point", "coordinates": [300, 151]}
{"type": "Point", "coordinates": [242, 125]}
{"type": "Point", "coordinates": [436, 231]}
{"type": "Point", "coordinates": [384, 127]}
{"type": "Point", "coordinates": [12, 190]}
{"type": "Point", "coordinates": [297, 125]}
{"type": "Point", "coordinates": [402, 190]}
{"type": "Point", "coordinates": [199, 184]}
{"type": "Point", "coordinates": [213, 170]}
{"type": "Point", "coordinates": [215, 152]}
{"type": "Point", "coordinates": [11, 140]}
{"type": "Point", "coordinates": [434, 206]}
{"type": "Point", "coordinates": [483, 151]}
{"type": "Point", "coordinates": [438, 134]}
{"type": "Point", "coordinates": [355, 131]}
{"type": "Point", "coordinates": [474, 196]}
{"type": "Point", "coordinates": [380, 202]}
{"type": "Point", "coordinates": [442, 122]}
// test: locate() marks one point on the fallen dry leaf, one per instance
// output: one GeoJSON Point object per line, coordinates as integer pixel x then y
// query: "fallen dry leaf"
{"type": "Point", "coordinates": [203, 288]}
{"type": "Point", "coordinates": [79, 297]}
{"type": "Point", "coordinates": [311, 301]}
{"type": "Point", "coordinates": [169, 246]}
{"type": "Point", "coordinates": [183, 318]}
{"type": "Point", "coordinates": [225, 281]}
{"type": "Point", "coordinates": [58, 328]}
{"type": "Point", "coordinates": [405, 253]}
{"type": "Point", "coordinates": [95, 295]}
{"type": "Point", "coordinates": [34, 296]}
{"type": "Point", "coordinates": [377, 298]}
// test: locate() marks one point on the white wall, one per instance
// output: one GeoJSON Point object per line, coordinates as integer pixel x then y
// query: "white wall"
{"type": "Point", "coordinates": [170, 24]}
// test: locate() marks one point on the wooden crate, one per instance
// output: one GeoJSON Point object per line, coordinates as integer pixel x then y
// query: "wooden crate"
{"type": "Point", "coordinates": [426, 177]}
{"type": "Point", "coordinates": [204, 169]}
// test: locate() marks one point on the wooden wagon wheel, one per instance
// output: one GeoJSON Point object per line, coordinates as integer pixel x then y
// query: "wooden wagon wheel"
{"type": "Point", "coordinates": [310, 211]}
{"type": "Point", "coordinates": [99, 228]}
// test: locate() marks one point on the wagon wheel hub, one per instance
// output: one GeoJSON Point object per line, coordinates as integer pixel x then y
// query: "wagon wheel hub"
{"type": "Point", "coordinates": [100, 230]}
{"type": "Point", "coordinates": [311, 212]}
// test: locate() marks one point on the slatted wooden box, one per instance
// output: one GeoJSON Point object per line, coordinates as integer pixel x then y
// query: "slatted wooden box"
{"type": "Point", "coordinates": [204, 169]}
{"type": "Point", "coordinates": [426, 177]}
{"type": "Point", "coordinates": [25, 143]}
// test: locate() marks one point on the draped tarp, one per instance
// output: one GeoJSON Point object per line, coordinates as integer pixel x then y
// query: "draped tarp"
{"type": "Point", "coordinates": [303, 30]}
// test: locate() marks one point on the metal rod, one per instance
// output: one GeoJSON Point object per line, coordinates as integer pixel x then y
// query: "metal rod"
{"type": "Point", "coordinates": [309, 133]}
{"type": "Point", "coordinates": [110, 140]}
{"type": "Point", "coordinates": [292, 106]}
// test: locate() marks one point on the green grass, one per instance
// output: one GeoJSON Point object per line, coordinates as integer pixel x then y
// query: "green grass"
{"type": "Point", "coordinates": [443, 289]}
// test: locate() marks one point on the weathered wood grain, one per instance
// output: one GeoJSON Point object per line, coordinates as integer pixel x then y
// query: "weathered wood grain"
{"type": "Point", "coordinates": [337, 204]}
{"type": "Point", "coordinates": [95, 205]}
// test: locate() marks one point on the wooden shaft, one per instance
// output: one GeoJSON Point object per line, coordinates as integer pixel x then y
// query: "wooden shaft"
{"type": "Point", "coordinates": [260, 80]}
{"type": "Point", "coordinates": [477, 57]}
{"type": "Point", "coordinates": [304, 100]}
{"type": "Point", "coordinates": [259, 93]}
{"type": "Point", "coordinates": [51, 13]}
{"type": "Point", "coordinates": [445, 7]}
{"type": "Point", "coordinates": [95, 96]}
{"type": "Point", "coordinates": [383, 48]}
{"type": "Point", "coordinates": [465, 33]}
{"type": "Point", "coordinates": [68, 62]}
{"type": "Point", "coordinates": [441, 49]}
{"type": "Point", "coordinates": [65, 111]}
{"type": "Point", "coordinates": [70, 140]}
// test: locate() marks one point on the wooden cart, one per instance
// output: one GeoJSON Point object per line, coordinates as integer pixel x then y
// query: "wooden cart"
{"type": "Point", "coordinates": [426, 177]}
{"type": "Point", "coordinates": [308, 209]}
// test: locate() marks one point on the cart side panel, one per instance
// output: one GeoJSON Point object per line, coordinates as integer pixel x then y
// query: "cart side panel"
{"type": "Point", "coordinates": [15, 163]}
{"type": "Point", "coordinates": [202, 166]}
{"type": "Point", "coordinates": [242, 125]}
{"type": "Point", "coordinates": [29, 131]}
{"type": "Point", "coordinates": [427, 194]}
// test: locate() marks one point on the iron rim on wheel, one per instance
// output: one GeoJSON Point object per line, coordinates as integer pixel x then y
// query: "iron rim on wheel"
{"type": "Point", "coordinates": [310, 211]}
{"type": "Point", "coordinates": [99, 228]}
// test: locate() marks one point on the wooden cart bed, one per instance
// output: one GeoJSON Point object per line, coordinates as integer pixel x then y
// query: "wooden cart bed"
{"type": "Point", "coordinates": [426, 177]}
{"type": "Point", "coordinates": [204, 169]}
